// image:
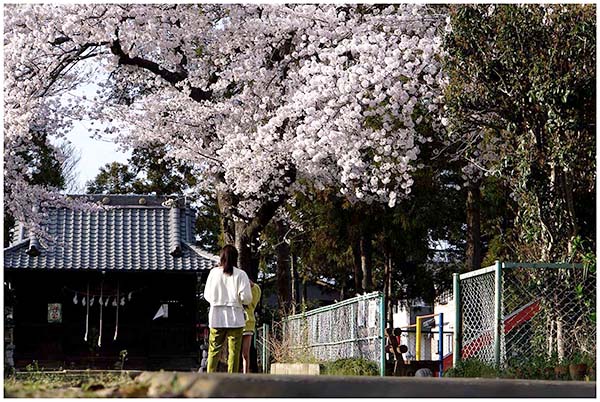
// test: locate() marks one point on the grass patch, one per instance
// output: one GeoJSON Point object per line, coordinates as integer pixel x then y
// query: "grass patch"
{"type": "Point", "coordinates": [473, 368]}
{"type": "Point", "coordinates": [355, 366]}
{"type": "Point", "coordinates": [60, 385]}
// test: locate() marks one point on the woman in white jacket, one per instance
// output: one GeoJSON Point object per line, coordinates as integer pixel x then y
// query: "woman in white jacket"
{"type": "Point", "coordinates": [227, 290]}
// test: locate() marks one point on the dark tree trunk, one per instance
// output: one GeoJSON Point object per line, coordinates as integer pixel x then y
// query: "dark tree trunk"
{"type": "Point", "coordinates": [283, 267]}
{"type": "Point", "coordinates": [243, 232]}
{"type": "Point", "coordinates": [569, 205]}
{"type": "Point", "coordinates": [304, 295]}
{"type": "Point", "coordinates": [387, 286]}
{"type": "Point", "coordinates": [294, 282]}
{"type": "Point", "coordinates": [226, 202]}
{"type": "Point", "coordinates": [365, 261]}
{"type": "Point", "coordinates": [357, 268]}
{"type": "Point", "coordinates": [247, 256]}
{"type": "Point", "coordinates": [473, 251]}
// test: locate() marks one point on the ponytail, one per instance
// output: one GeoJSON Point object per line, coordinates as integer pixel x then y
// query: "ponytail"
{"type": "Point", "coordinates": [229, 256]}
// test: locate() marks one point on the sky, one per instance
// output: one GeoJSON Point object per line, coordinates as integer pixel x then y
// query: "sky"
{"type": "Point", "coordinates": [94, 153]}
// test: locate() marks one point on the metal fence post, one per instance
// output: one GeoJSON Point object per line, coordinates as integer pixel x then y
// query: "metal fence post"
{"type": "Point", "coordinates": [418, 339]}
{"type": "Point", "coordinates": [441, 343]}
{"type": "Point", "coordinates": [265, 347]}
{"type": "Point", "coordinates": [457, 321]}
{"type": "Point", "coordinates": [382, 334]}
{"type": "Point", "coordinates": [268, 350]}
{"type": "Point", "coordinates": [498, 313]}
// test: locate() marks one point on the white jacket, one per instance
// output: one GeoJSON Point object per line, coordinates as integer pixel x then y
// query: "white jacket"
{"type": "Point", "coordinates": [226, 295]}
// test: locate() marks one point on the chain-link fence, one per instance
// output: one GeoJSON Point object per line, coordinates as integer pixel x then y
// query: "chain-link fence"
{"type": "Point", "coordinates": [549, 311]}
{"type": "Point", "coordinates": [513, 313]}
{"type": "Point", "coordinates": [347, 329]}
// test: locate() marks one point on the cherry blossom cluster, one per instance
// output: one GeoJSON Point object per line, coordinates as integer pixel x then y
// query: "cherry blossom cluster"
{"type": "Point", "coordinates": [257, 97]}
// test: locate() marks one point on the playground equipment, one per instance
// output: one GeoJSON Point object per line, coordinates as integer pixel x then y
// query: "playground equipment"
{"type": "Point", "coordinates": [519, 311]}
{"type": "Point", "coordinates": [511, 321]}
{"type": "Point", "coordinates": [408, 368]}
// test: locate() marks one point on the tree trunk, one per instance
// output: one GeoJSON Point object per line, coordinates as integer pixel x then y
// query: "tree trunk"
{"type": "Point", "coordinates": [304, 292]}
{"type": "Point", "coordinates": [243, 232]}
{"type": "Point", "coordinates": [365, 261]}
{"type": "Point", "coordinates": [283, 267]}
{"type": "Point", "coordinates": [294, 282]}
{"type": "Point", "coordinates": [247, 257]}
{"type": "Point", "coordinates": [567, 182]}
{"type": "Point", "coordinates": [357, 268]}
{"type": "Point", "coordinates": [387, 287]}
{"type": "Point", "coordinates": [560, 339]}
{"type": "Point", "coordinates": [473, 251]}
{"type": "Point", "coordinates": [225, 202]}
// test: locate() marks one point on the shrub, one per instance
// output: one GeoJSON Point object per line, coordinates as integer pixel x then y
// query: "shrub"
{"type": "Point", "coordinates": [352, 366]}
{"type": "Point", "coordinates": [472, 368]}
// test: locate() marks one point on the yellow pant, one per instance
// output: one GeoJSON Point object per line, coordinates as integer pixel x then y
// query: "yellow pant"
{"type": "Point", "coordinates": [216, 340]}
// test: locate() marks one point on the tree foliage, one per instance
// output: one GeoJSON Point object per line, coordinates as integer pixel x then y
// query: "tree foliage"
{"type": "Point", "coordinates": [256, 97]}
{"type": "Point", "coordinates": [522, 88]}
{"type": "Point", "coordinates": [327, 118]}
{"type": "Point", "coordinates": [45, 165]}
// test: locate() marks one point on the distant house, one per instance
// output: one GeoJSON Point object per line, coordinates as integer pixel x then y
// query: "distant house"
{"type": "Point", "coordinates": [123, 278]}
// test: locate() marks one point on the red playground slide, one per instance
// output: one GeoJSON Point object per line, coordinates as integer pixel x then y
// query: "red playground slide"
{"type": "Point", "coordinates": [511, 321]}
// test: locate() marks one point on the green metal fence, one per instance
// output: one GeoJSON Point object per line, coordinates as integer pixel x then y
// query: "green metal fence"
{"type": "Point", "coordinates": [514, 312]}
{"type": "Point", "coordinates": [350, 328]}
{"type": "Point", "coordinates": [261, 343]}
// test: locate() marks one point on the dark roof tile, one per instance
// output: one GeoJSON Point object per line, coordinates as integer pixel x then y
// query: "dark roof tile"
{"type": "Point", "coordinates": [124, 237]}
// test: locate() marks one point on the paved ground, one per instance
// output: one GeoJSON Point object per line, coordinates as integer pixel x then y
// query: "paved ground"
{"type": "Point", "coordinates": [265, 385]}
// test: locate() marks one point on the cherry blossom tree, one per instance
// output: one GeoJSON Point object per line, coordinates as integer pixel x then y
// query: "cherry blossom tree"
{"type": "Point", "coordinates": [258, 98]}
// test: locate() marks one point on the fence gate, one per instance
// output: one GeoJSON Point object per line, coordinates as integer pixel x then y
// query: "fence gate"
{"type": "Point", "coordinates": [511, 312]}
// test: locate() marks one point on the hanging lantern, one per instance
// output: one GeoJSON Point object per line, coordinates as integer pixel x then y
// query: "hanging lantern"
{"type": "Point", "coordinates": [129, 296]}
{"type": "Point", "coordinates": [100, 300]}
{"type": "Point", "coordinates": [83, 302]}
{"type": "Point", "coordinates": [75, 299]}
{"type": "Point", "coordinates": [106, 302]}
{"type": "Point", "coordinates": [122, 301]}
{"type": "Point", "coordinates": [92, 301]}
{"type": "Point", "coordinates": [114, 303]}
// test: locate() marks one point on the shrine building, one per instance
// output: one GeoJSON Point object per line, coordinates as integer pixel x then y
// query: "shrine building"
{"type": "Point", "coordinates": [127, 277]}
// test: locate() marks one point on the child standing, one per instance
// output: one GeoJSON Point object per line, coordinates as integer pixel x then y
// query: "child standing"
{"type": "Point", "coordinates": [250, 326]}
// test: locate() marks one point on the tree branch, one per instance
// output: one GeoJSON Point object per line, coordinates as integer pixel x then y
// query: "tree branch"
{"type": "Point", "coordinates": [172, 78]}
{"type": "Point", "coordinates": [267, 210]}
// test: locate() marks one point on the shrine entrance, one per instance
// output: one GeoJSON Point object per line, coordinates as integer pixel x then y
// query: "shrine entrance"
{"type": "Point", "coordinates": [85, 319]}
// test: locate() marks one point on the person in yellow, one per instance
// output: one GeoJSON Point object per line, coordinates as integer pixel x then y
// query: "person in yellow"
{"type": "Point", "coordinates": [250, 326]}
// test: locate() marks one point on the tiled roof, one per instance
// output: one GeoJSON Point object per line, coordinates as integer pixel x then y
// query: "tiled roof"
{"type": "Point", "coordinates": [127, 236]}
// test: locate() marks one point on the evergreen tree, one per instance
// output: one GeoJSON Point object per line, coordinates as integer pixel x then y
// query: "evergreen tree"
{"type": "Point", "coordinates": [43, 168]}
{"type": "Point", "coordinates": [522, 82]}
{"type": "Point", "coordinates": [114, 178]}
